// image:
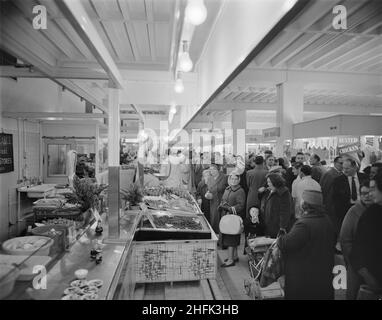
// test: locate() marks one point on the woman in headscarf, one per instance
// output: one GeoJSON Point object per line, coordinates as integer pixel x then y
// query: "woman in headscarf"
{"type": "Point", "coordinates": [216, 184]}
{"type": "Point", "coordinates": [233, 201]}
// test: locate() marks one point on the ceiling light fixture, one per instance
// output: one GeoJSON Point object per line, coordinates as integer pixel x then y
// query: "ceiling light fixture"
{"type": "Point", "coordinates": [185, 62]}
{"type": "Point", "coordinates": [170, 117]}
{"type": "Point", "coordinates": [196, 12]}
{"type": "Point", "coordinates": [179, 87]}
{"type": "Point", "coordinates": [173, 108]}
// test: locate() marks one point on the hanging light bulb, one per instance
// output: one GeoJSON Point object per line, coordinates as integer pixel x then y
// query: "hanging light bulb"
{"type": "Point", "coordinates": [196, 12]}
{"type": "Point", "coordinates": [170, 117]}
{"type": "Point", "coordinates": [179, 87]}
{"type": "Point", "coordinates": [185, 62]}
{"type": "Point", "coordinates": [173, 109]}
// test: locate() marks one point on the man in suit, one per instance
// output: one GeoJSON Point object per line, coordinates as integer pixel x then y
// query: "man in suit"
{"type": "Point", "coordinates": [326, 183]}
{"type": "Point", "coordinates": [346, 190]}
{"type": "Point", "coordinates": [290, 176]}
{"type": "Point", "coordinates": [317, 168]}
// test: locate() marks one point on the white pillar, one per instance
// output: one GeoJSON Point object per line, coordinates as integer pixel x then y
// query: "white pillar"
{"type": "Point", "coordinates": [290, 110]}
{"type": "Point", "coordinates": [239, 126]}
{"type": "Point", "coordinates": [113, 128]}
{"type": "Point", "coordinates": [113, 161]}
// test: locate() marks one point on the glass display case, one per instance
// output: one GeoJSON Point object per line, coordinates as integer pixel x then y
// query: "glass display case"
{"type": "Point", "coordinates": [48, 266]}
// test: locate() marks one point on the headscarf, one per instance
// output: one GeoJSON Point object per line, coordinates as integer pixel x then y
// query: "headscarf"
{"type": "Point", "coordinates": [233, 173]}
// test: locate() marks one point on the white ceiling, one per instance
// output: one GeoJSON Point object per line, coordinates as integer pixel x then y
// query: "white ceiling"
{"type": "Point", "coordinates": [340, 69]}
{"type": "Point", "coordinates": [140, 35]}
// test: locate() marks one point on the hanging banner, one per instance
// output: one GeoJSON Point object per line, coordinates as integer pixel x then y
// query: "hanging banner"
{"type": "Point", "coordinates": [350, 148]}
{"type": "Point", "coordinates": [6, 153]}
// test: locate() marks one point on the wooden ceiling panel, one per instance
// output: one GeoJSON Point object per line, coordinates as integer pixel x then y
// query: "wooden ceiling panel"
{"type": "Point", "coordinates": [163, 10]}
{"type": "Point", "coordinates": [117, 34]}
{"type": "Point", "coordinates": [309, 50]}
{"type": "Point", "coordinates": [358, 46]}
{"type": "Point", "coordinates": [137, 9]}
{"type": "Point", "coordinates": [142, 37]}
{"type": "Point", "coordinates": [368, 55]}
{"type": "Point", "coordinates": [325, 50]}
{"type": "Point", "coordinates": [67, 28]}
{"type": "Point", "coordinates": [162, 40]}
{"type": "Point", "coordinates": [105, 39]}
{"type": "Point", "coordinates": [89, 8]}
{"type": "Point", "coordinates": [107, 9]}
{"type": "Point", "coordinates": [15, 19]}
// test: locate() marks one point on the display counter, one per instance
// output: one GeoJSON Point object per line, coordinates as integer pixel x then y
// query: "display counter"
{"type": "Point", "coordinates": [132, 258]}
{"type": "Point", "coordinates": [60, 271]}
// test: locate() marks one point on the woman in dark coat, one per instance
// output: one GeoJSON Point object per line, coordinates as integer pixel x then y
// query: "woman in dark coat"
{"type": "Point", "coordinates": [233, 201]}
{"type": "Point", "coordinates": [308, 252]}
{"type": "Point", "coordinates": [216, 184]}
{"type": "Point", "coordinates": [276, 206]}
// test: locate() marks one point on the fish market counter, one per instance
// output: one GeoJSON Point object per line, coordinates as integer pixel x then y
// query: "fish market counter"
{"type": "Point", "coordinates": [154, 246]}
{"type": "Point", "coordinates": [60, 272]}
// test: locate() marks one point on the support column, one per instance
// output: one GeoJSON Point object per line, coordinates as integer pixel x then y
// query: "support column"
{"type": "Point", "coordinates": [114, 162]}
{"type": "Point", "coordinates": [290, 110]}
{"type": "Point", "coordinates": [239, 126]}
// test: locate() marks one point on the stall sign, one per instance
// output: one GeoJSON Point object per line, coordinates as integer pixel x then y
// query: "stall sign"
{"type": "Point", "coordinates": [6, 153]}
{"type": "Point", "coordinates": [271, 133]}
{"type": "Point", "coordinates": [348, 140]}
{"type": "Point", "coordinates": [351, 148]}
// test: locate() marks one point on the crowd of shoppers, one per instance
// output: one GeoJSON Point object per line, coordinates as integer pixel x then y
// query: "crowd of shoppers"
{"type": "Point", "coordinates": [313, 210]}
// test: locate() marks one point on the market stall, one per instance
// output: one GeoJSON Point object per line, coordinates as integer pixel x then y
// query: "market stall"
{"type": "Point", "coordinates": [165, 239]}
{"type": "Point", "coordinates": [341, 134]}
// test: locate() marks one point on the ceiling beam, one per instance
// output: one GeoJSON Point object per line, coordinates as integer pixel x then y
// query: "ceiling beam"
{"type": "Point", "coordinates": [47, 115]}
{"type": "Point", "coordinates": [266, 107]}
{"type": "Point", "coordinates": [255, 76]}
{"type": "Point", "coordinates": [310, 15]}
{"type": "Point", "coordinates": [56, 72]}
{"type": "Point", "coordinates": [82, 24]}
{"type": "Point", "coordinates": [19, 48]}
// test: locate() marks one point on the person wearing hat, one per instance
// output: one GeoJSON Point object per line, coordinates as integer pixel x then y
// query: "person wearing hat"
{"type": "Point", "coordinates": [233, 202]}
{"type": "Point", "coordinates": [256, 178]}
{"type": "Point", "coordinates": [308, 252]}
{"type": "Point", "coordinates": [216, 184]}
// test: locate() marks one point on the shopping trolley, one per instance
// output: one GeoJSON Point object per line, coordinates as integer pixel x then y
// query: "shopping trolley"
{"type": "Point", "coordinates": [256, 250]}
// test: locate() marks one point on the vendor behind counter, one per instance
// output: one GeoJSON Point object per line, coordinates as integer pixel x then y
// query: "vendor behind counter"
{"type": "Point", "coordinates": [83, 170]}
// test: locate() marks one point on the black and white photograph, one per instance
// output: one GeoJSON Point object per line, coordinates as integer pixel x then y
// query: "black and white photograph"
{"type": "Point", "coordinates": [190, 156]}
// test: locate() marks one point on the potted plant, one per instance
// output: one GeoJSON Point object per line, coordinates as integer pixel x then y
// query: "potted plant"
{"type": "Point", "coordinates": [132, 196]}
{"type": "Point", "coordinates": [86, 194]}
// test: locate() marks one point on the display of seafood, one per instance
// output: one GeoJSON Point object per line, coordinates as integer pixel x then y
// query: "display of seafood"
{"type": "Point", "coordinates": [169, 198]}
{"type": "Point", "coordinates": [83, 290]}
{"type": "Point", "coordinates": [177, 222]}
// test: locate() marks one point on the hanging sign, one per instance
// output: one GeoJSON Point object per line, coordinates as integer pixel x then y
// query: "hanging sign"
{"type": "Point", "coordinates": [271, 133]}
{"type": "Point", "coordinates": [6, 153]}
{"type": "Point", "coordinates": [350, 148]}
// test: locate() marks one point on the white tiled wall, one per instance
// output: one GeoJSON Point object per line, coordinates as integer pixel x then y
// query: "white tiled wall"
{"type": "Point", "coordinates": [8, 181]}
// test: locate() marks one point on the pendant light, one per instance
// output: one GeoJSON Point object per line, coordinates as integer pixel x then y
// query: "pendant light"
{"type": "Point", "coordinates": [185, 62]}
{"type": "Point", "coordinates": [179, 87]}
{"type": "Point", "coordinates": [196, 12]}
{"type": "Point", "coordinates": [173, 108]}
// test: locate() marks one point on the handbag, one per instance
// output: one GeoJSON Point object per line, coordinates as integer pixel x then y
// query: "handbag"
{"type": "Point", "coordinates": [231, 224]}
